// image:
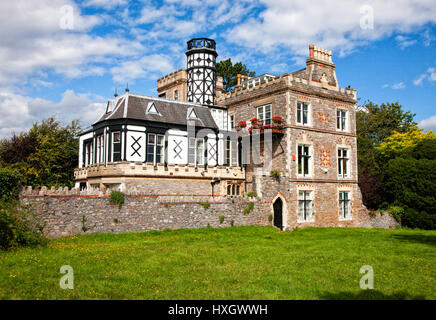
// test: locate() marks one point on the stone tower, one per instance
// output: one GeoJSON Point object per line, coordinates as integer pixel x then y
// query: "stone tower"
{"type": "Point", "coordinates": [201, 69]}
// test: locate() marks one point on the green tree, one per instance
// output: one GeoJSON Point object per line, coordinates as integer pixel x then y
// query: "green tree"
{"type": "Point", "coordinates": [375, 123]}
{"type": "Point", "coordinates": [229, 72]}
{"type": "Point", "coordinates": [52, 158]}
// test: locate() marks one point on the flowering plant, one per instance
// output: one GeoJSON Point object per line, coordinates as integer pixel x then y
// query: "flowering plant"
{"type": "Point", "coordinates": [278, 120]}
{"type": "Point", "coordinates": [254, 122]}
{"type": "Point", "coordinates": [242, 124]}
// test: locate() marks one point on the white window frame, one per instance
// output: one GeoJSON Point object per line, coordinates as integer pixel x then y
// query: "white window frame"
{"type": "Point", "coordinates": [100, 148]}
{"type": "Point", "coordinates": [230, 152]}
{"type": "Point", "coordinates": [310, 161]}
{"type": "Point", "coordinates": [196, 155]}
{"type": "Point", "coordinates": [341, 202]}
{"type": "Point", "coordinates": [113, 143]}
{"type": "Point", "coordinates": [348, 161]}
{"type": "Point", "coordinates": [309, 118]}
{"type": "Point", "coordinates": [262, 113]}
{"type": "Point", "coordinates": [155, 145]}
{"type": "Point", "coordinates": [342, 122]}
{"type": "Point", "coordinates": [302, 196]}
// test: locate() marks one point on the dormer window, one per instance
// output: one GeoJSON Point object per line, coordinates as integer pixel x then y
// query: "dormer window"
{"type": "Point", "coordinates": [192, 115]}
{"type": "Point", "coordinates": [151, 109]}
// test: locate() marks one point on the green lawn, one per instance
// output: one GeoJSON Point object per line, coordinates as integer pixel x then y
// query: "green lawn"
{"type": "Point", "coordinates": [228, 263]}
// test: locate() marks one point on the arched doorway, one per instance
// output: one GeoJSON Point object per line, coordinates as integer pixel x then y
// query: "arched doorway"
{"type": "Point", "coordinates": [278, 213]}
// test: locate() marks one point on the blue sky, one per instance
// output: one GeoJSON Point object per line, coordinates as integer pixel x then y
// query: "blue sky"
{"type": "Point", "coordinates": [65, 58]}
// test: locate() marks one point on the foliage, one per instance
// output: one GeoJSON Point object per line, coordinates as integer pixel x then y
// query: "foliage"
{"type": "Point", "coordinates": [411, 183]}
{"type": "Point", "coordinates": [229, 72]}
{"type": "Point", "coordinates": [205, 205]}
{"type": "Point", "coordinates": [242, 124]}
{"type": "Point", "coordinates": [117, 198]}
{"type": "Point", "coordinates": [396, 211]}
{"type": "Point", "coordinates": [275, 173]}
{"type": "Point", "coordinates": [278, 119]}
{"type": "Point", "coordinates": [222, 219]}
{"type": "Point", "coordinates": [45, 155]}
{"type": "Point", "coordinates": [248, 208]}
{"type": "Point", "coordinates": [404, 144]}
{"type": "Point", "coordinates": [9, 184]}
{"type": "Point", "coordinates": [374, 124]}
{"type": "Point", "coordinates": [252, 194]}
{"type": "Point", "coordinates": [270, 217]}
{"type": "Point", "coordinates": [18, 227]}
{"type": "Point", "coordinates": [153, 265]}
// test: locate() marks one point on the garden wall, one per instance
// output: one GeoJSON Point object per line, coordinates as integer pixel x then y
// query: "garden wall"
{"type": "Point", "coordinates": [69, 212]}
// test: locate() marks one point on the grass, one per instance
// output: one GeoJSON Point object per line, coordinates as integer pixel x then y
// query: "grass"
{"type": "Point", "coordinates": [227, 263]}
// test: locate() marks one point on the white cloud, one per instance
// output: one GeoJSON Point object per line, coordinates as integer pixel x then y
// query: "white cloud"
{"type": "Point", "coordinates": [395, 86]}
{"type": "Point", "coordinates": [429, 75]}
{"type": "Point", "coordinates": [405, 42]}
{"type": "Point", "coordinates": [428, 124]}
{"type": "Point", "coordinates": [20, 112]}
{"type": "Point", "coordinates": [33, 41]}
{"type": "Point", "coordinates": [152, 66]}
{"type": "Point", "coordinates": [333, 24]}
{"type": "Point", "coordinates": [106, 4]}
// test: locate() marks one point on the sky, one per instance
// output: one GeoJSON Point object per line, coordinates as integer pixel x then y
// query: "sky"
{"type": "Point", "coordinates": [66, 58]}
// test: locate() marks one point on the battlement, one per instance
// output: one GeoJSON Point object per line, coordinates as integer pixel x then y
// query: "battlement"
{"type": "Point", "coordinates": [320, 54]}
{"type": "Point", "coordinates": [174, 77]}
{"type": "Point", "coordinates": [287, 79]}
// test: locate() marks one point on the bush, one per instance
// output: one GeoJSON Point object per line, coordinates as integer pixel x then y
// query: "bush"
{"type": "Point", "coordinates": [397, 212]}
{"type": "Point", "coordinates": [275, 173]}
{"type": "Point", "coordinates": [18, 227]}
{"type": "Point", "coordinates": [249, 208]}
{"type": "Point", "coordinates": [117, 197]}
{"type": "Point", "coordinates": [205, 205]}
{"type": "Point", "coordinates": [222, 219]}
{"type": "Point", "coordinates": [422, 220]}
{"type": "Point", "coordinates": [9, 184]}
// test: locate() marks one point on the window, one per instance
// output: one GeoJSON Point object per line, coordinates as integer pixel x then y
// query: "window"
{"type": "Point", "coordinates": [192, 114]}
{"type": "Point", "coordinates": [151, 109]}
{"type": "Point", "coordinates": [155, 148]}
{"type": "Point", "coordinates": [100, 149]}
{"type": "Point", "coordinates": [344, 204]}
{"type": "Point", "coordinates": [232, 122]}
{"type": "Point", "coordinates": [264, 115]}
{"type": "Point", "coordinates": [305, 205]}
{"type": "Point", "coordinates": [341, 120]}
{"type": "Point", "coordinates": [304, 160]}
{"type": "Point", "coordinates": [88, 154]}
{"type": "Point", "coordinates": [343, 162]}
{"type": "Point", "coordinates": [231, 155]}
{"type": "Point", "coordinates": [176, 94]}
{"type": "Point", "coordinates": [196, 151]}
{"type": "Point", "coordinates": [233, 189]}
{"type": "Point", "coordinates": [116, 146]}
{"type": "Point", "coordinates": [302, 113]}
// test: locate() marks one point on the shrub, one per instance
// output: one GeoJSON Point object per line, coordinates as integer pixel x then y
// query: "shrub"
{"type": "Point", "coordinates": [117, 197]}
{"type": "Point", "coordinates": [222, 219]}
{"type": "Point", "coordinates": [249, 207]}
{"type": "Point", "coordinates": [18, 227]}
{"type": "Point", "coordinates": [205, 205]}
{"type": "Point", "coordinates": [275, 173]}
{"type": "Point", "coordinates": [270, 218]}
{"type": "Point", "coordinates": [415, 219]}
{"type": "Point", "coordinates": [9, 184]}
{"type": "Point", "coordinates": [252, 194]}
{"type": "Point", "coordinates": [397, 212]}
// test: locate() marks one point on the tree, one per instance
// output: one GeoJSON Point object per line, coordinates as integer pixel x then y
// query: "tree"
{"type": "Point", "coordinates": [374, 124]}
{"type": "Point", "coordinates": [229, 72]}
{"type": "Point", "coordinates": [50, 157]}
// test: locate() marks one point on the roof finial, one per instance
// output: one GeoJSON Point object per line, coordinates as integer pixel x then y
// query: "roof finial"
{"type": "Point", "coordinates": [127, 87]}
{"type": "Point", "coordinates": [115, 94]}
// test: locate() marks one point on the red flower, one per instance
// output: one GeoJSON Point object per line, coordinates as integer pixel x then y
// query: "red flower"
{"type": "Point", "coordinates": [242, 124]}
{"type": "Point", "coordinates": [277, 119]}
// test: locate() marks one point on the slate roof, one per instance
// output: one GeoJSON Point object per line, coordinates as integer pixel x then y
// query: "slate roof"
{"type": "Point", "coordinates": [134, 106]}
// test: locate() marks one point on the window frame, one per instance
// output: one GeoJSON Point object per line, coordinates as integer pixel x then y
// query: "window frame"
{"type": "Point", "coordinates": [301, 113]}
{"type": "Point", "coordinates": [343, 120]}
{"type": "Point", "coordinates": [300, 158]}
{"type": "Point", "coordinates": [307, 216]}
{"type": "Point", "coordinates": [231, 152]}
{"type": "Point", "coordinates": [155, 145]}
{"type": "Point", "coordinates": [344, 205]}
{"type": "Point", "coordinates": [113, 145]}
{"type": "Point", "coordinates": [340, 162]}
{"type": "Point", "coordinates": [264, 121]}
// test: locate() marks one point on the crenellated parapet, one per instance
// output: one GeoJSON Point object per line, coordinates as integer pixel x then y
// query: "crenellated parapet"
{"type": "Point", "coordinates": [139, 169]}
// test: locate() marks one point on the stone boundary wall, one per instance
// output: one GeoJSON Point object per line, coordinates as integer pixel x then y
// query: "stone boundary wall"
{"type": "Point", "coordinates": [67, 212]}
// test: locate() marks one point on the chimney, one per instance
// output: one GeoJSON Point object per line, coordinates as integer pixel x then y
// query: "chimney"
{"type": "Point", "coordinates": [238, 82]}
{"type": "Point", "coordinates": [320, 54]}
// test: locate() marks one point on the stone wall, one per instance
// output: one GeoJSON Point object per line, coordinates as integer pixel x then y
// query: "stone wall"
{"type": "Point", "coordinates": [69, 212]}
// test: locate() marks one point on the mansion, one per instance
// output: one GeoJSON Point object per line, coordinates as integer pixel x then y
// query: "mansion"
{"type": "Point", "coordinates": [195, 139]}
